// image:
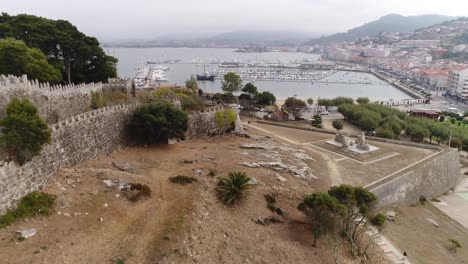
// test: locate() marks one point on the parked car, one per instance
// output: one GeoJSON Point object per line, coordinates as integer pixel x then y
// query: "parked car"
{"type": "Point", "coordinates": [325, 113]}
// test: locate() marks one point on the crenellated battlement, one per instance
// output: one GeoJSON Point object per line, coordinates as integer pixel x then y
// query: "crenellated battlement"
{"type": "Point", "coordinates": [91, 115]}
{"type": "Point", "coordinates": [11, 83]}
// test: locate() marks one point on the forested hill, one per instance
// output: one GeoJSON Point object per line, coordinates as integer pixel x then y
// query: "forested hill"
{"type": "Point", "coordinates": [389, 23]}
{"type": "Point", "coordinates": [78, 57]}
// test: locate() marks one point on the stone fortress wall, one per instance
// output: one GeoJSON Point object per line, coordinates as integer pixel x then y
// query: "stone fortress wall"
{"type": "Point", "coordinates": [54, 102]}
{"type": "Point", "coordinates": [76, 139]}
{"type": "Point", "coordinates": [429, 179]}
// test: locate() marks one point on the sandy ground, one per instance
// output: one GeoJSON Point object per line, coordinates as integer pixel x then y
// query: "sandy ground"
{"type": "Point", "coordinates": [93, 223]}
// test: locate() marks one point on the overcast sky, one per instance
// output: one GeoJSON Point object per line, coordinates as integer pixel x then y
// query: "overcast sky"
{"type": "Point", "coordinates": [147, 19]}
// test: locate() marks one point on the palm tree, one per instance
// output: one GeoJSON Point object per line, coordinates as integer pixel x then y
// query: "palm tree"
{"type": "Point", "coordinates": [233, 188]}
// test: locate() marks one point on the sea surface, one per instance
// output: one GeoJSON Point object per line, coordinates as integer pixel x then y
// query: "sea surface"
{"type": "Point", "coordinates": [196, 60]}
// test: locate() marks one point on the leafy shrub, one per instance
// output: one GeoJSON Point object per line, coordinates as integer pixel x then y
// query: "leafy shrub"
{"type": "Point", "coordinates": [233, 189]}
{"type": "Point", "coordinates": [378, 220]}
{"type": "Point", "coordinates": [31, 205]}
{"type": "Point", "coordinates": [23, 133]}
{"type": "Point", "coordinates": [385, 133]}
{"type": "Point", "coordinates": [219, 119]}
{"type": "Point", "coordinates": [190, 101]}
{"type": "Point", "coordinates": [182, 180]}
{"type": "Point", "coordinates": [231, 117]}
{"type": "Point", "coordinates": [362, 100]}
{"type": "Point", "coordinates": [212, 172]}
{"type": "Point", "coordinates": [136, 192]}
{"type": "Point", "coordinates": [453, 120]}
{"type": "Point", "coordinates": [454, 245]}
{"type": "Point", "coordinates": [156, 122]}
{"type": "Point", "coordinates": [107, 98]}
{"type": "Point", "coordinates": [337, 124]}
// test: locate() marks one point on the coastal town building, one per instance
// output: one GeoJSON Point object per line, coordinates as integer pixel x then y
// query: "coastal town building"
{"type": "Point", "coordinates": [419, 43]}
{"type": "Point", "coordinates": [458, 82]}
{"type": "Point", "coordinates": [379, 51]}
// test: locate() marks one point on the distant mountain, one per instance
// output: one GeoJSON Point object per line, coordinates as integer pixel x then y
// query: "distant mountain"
{"type": "Point", "coordinates": [388, 23]}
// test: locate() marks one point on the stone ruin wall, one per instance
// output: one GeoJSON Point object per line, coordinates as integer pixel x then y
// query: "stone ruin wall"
{"type": "Point", "coordinates": [85, 136]}
{"type": "Point", "coordinates": [203, 123]}
{"type": "Point", "coordinates": [54, 103]}
{"type": "Point", "coordinates": [430, 179]}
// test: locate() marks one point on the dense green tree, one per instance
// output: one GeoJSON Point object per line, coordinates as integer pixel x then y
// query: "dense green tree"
{"type": "Point", "coordinates": [362, 100]}
{"type": "Point", "coordinates": [192, 84]}
{"type": "Point", "coordinates": [357, 202]}
{"type": "Point", "coordinates": [342, 100]}
{"type": "Point", "coordinates": [294, 106]}
{"type": "Point", "coordinates": [265, 98]}
{"type": "Point", "coordinates": [157, 122]}
{"type": "Point", "coordinates": [325, 103]}
{"type": "Point", "coordinates": [77, 56]}
{"type": "Point", "coordinates": [250, 89]}
{"type": "Point", "coordinates": [232, 83]}
{"type": "Point", "coordinates": [321, 208]}
{"type": "Point", "coordinates": [23, 131]}
{"type": "Point", "coordinates": [17, 59]}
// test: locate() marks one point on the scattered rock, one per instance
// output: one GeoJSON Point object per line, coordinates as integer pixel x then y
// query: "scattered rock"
{"type": "Point", "coordinates": [25, 233]}
{"type": "Point", "coordinates": [280, 178]}
{"type": "Point", "coordinates": [198, 172]}
{"type": "Point", "coordinates": [127, 167]}
{"type": "Point", "coordinates": [253, 181]}
{"type": "Point", "coordinates": [250, 164]}
{"type": "Point", "coordinates": [391, 215]}
{"type": "Point", "coordinates": [187, 161]}
{"type": "Point", "coordinates": [432, 221]}
{"type": "Point", "coordinates": [267, 221]}
{"type": "Point", "coordinates": [109, 183]}
{"type": "Point", "coordinates": [66, 214]}
{"type": "Point", "coordinates": [101, 219]}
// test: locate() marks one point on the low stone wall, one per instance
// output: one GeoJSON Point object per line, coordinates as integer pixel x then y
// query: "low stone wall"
{"type": "Point", "coordinates": [430, 179]}
{"type": "Point", "coordinates": [86, 136]}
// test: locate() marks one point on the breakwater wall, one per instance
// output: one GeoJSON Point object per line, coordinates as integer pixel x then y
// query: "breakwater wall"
{"type": "Point", "coordinates": [405, 90]}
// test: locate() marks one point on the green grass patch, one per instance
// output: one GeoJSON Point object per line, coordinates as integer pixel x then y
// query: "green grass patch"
{"type": "Point", "coordinates": [31, 205]}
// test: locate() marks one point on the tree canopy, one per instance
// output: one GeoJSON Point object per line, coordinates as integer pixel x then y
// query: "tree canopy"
{"type": "Point", "coordinates": [192, 84]}
{"type": "Point", "coordinates": [157, 122]}
{"type": "Point", "coordinates": [294, 106]}
{"type": "Point", "coordinates": [232, 83]}
{"type": "Point", "coordinates": [77, 56]}
{"type": "Point", "coordinates": [17, 59]}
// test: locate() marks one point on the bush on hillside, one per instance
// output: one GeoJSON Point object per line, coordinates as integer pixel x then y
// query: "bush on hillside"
{"type": "Point", "coordinates": [157, 122]}
{"type": "Point", "coordinates": [378, 220]}
{"type": "Point", "coordinates": [31, 205]}
{"type": "Point", "coordinates": [362, 100]}
{"type": "Point", "coordinates": [23, 131]}
{"type": "Point", "coordinates": [337, 124]}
